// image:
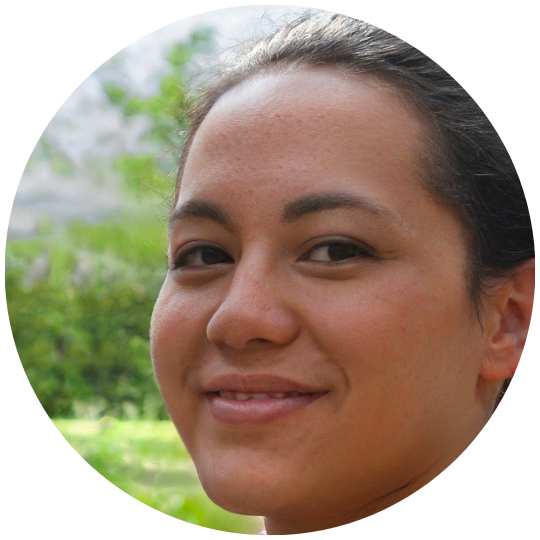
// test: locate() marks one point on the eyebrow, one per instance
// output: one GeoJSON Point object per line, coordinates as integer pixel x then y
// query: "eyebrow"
{"type": "Point", "coordinates": [319, 202]}
{"type": "Point", "coordinates": [293, 211]}
{"type": "Point", "coordinates": [198, 208]}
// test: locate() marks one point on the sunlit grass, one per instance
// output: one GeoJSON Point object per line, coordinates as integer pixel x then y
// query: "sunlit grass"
{"type": "Point", "coordinates": [147, 460]}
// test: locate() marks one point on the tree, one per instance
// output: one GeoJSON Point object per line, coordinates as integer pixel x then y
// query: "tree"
{"type": "Point", "coordinates": [165, 113]}
{"type": "Point", "coordinates": [80, 298]}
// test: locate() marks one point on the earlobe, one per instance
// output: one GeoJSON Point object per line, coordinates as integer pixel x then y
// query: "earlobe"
{"type": "Point", "coordinates": [510, 307]}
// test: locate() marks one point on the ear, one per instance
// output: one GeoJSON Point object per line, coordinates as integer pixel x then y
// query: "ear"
{"type": "Point", "coordinates": [508, 315]}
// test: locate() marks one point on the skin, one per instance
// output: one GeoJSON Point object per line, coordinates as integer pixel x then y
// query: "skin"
{"type": "Point", "coordinates": [390, 331]}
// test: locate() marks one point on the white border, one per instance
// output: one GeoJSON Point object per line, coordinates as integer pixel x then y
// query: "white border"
{"type": "Point", "coordinates": [48, 49]}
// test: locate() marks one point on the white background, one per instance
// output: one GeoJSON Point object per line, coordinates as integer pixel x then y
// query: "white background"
{"type": "Point", "coordinates": [46, 50]}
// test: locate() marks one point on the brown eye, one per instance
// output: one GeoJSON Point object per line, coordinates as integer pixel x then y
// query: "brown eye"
{"type": "Point", "coordinates": [202, 256]}
{"type": "Point", "coordinates": [336, 252]}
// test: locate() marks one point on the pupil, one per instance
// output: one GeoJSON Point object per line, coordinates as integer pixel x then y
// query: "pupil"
{"type": "Point", "coordinates": [213, 256]}
{"type": "Point", "coordinates": [342, 251]}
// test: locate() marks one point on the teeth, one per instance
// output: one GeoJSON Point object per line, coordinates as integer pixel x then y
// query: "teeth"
{"type": "Point", "coordinates": [244, 396]}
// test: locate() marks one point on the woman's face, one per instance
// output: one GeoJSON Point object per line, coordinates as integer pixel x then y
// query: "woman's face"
{"type": "Point", "coordinates": [314, 340]}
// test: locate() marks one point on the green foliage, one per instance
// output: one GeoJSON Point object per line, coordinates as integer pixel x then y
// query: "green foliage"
{"type": "Point", "coordinates": [147, 460]}
{"type": "Point", "coordinates": [57, 160]}
{"type": "Point", "coordinates": [165, 110]}
{"type": "Point", "coordinates": [80, 299]}
{"type": "Point", "coordinates": [143, 176]}
{"type": "Point", "coordinates": [80, 302]}
{"type": "Point", "coordinates": [147, 175]}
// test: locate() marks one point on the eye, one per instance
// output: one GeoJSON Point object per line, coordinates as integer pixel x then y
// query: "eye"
{"type": "Point", "coordinates": [337, 251]}
{"type": "Point", "coordinates": [201, 256]}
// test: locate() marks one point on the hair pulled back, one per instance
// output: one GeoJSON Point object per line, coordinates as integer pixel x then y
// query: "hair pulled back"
{"type": "Point", "coordinates": [467, 167]}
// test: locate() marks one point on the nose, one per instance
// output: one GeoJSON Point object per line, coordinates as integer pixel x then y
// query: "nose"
{"type": "Point", "coordinates": [254, 311]}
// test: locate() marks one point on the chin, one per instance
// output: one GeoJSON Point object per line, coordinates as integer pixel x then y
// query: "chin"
{"type": "Point", "coordinates": [241, 491]}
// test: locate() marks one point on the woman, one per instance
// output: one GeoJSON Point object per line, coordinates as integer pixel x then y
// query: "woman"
{"type": "Point", "coordinates": [351, 276]}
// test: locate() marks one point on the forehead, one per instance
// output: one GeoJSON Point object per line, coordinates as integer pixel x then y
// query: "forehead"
{"type": "Point", "coordinates": [305, 130]}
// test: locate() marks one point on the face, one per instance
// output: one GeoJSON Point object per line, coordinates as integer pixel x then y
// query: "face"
{"type": "Point", "coordinates": [314, 340]}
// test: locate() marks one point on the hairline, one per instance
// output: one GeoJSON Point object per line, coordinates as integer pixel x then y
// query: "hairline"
{"type": "Point", "coordinates": [434, 166]}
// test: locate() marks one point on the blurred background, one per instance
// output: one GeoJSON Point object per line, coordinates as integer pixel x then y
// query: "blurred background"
{"type": "Point", "coordinates": [86, 255]}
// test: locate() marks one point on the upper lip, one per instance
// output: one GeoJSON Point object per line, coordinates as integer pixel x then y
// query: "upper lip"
{"type": "Point", "coordinates": [257, 383]}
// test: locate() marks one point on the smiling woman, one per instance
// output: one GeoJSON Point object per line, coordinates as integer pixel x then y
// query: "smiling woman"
{"type": "Point", "coordinates": [351, 276]}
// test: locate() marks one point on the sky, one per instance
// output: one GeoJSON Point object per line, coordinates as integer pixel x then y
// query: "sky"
{"type": "Point", "coordinates": [69, 175]}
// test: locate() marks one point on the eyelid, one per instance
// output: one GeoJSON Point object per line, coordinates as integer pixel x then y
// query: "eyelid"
{"type": "Point", "coordinates": [192, 247]}
{"type": "Point", "coordinates": [189, 248]}
{"type": "Point", "coordinates": [367, 250]}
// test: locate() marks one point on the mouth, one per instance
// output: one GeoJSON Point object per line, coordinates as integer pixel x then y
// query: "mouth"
{"type": "Point", "coordinates": [236, 399]}
{"type": "Point", "coordinates": [259, 396]}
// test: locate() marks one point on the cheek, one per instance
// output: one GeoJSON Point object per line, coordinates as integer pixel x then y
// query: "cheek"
{"type": "Point", "coordinates": [178, 324]}
{"type": "Point", "coordinates": [177, 335]}
{"type": "Point", "coordinates": [396, 333]}
{"type": "Point", "coordinates": [407, 360]}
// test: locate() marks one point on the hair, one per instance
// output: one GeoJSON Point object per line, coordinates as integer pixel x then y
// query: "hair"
{"type": "Point", "coordinates": [467, 166]}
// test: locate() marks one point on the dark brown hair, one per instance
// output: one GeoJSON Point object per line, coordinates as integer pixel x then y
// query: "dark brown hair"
{"type": "Point", "coordinates": [468, 168]}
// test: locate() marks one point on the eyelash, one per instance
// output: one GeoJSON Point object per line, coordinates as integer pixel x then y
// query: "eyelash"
{"type": "Point", "coordinates": [361, 251]}
{"type": "Point", "coordinates": [182, 256]}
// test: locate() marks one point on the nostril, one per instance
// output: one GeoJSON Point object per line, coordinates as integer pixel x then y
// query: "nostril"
{"type": "Point", "coordinates": [237, 323]}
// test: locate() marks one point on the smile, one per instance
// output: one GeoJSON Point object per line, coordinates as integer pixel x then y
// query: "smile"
{"type": "Point", "coordinates": [236, 399]}
{"type": "Point", "coordinates": [244, 396]}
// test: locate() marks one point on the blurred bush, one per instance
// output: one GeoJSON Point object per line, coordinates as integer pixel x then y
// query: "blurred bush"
{"type": "Point", "coordinates": [149, 174]}
{"type": "Point", "coordinates": [80, 302]}
{"type": "Point", "coordinates": [80, 297]}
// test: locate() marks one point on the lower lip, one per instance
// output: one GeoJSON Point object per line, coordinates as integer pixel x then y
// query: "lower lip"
{"type": "Point", "coordinates": [234, 411]}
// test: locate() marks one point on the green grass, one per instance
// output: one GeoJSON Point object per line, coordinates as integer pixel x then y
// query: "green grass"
{"type": "Point", "coordinates": [147, 460]}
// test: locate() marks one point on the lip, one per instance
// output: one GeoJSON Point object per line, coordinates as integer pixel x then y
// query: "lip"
{"type": "Point", "coordinates": [261, 410]}
{"type": "Point", "coordinates": [261, 382]}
